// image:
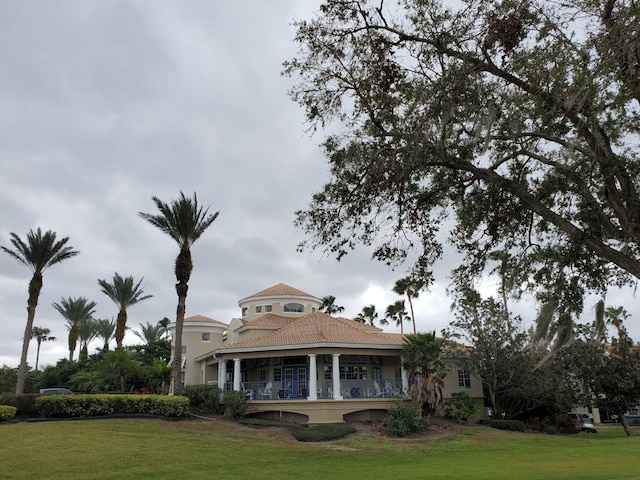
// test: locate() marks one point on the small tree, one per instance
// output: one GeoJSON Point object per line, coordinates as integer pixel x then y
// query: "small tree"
{"type": "Point", "coordinates": [41, 335]}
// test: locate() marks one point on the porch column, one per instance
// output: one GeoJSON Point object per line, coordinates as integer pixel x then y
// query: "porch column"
{"type": "Point", "coordinates": [222, 373]}
{"type": "Point", "coordinates": [405, 380]}
{"type": "Point", "coordinates": [313, 378]}
{"type": "Point", "coordinates": [237, 376]}
{"type": "Point", "coordinates": [335, 374]}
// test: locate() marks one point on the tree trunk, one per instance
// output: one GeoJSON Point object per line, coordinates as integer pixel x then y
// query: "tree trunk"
{"type": "Point", "coordinates": [413, 318]}
{"type": "Point", "coordinates": [181, 289]}
{"type": "Point", "coordinates": [625, 424]}
{"type": "Point", "coordinates": [35, 285]}
{"type": "Point", "coordinates": [121, 327]}
{"type": "Point", "coordinates": [38, 353]}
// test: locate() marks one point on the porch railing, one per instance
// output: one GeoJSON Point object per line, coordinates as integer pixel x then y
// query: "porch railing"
{"type": "Point", "coordinates": [349, 389]}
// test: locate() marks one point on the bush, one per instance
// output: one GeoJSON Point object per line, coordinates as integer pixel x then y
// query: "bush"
{"type": "Point", "coordinates": [235, 404]}
{"type": "Point", "coordinates": [569, 425]}
{"type": "Point", "coordinates": [75, 406]}
{"type": "Point", "coordinates": [25, 404]}
{"type": "Point", "coordinates": [404, 419]}
{"type": "Point", "coordinates": [205, 398]}
{"type": "Point", "coordinates": [513, 425]}
{"type": "Point", "coordinates": [460, 407]}
{"type": "Point", "coordinates": [7, 412]}
{"type": "Point", "coordinates": [322, 433]}
{"type": "Point", "coordinates": [551, 430]}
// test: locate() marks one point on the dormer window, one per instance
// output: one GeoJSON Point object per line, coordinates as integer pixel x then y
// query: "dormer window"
{"type": "Point", "coordinates": [259, 309]}
{"type": "Point", "coordinates": [267, 308]}
{"type": "Point", "coordinates": [244, 312]}
{"type": "Point", "coordinates": [293, 308]}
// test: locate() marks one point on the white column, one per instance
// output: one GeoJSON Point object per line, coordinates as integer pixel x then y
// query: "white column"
{"type": "Point", "coordinates": [236, 374]}
{"type": "Point", "coordinates": [405, 380]}
{"type": "Point", "coordinates": [222, 373]}
{"type": "Point", "coordinates": [313, 378]}
{"type": "Point", "coordinates": [335, 374]}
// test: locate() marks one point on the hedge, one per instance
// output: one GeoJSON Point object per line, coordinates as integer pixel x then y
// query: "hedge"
{"type": "Point", "coordinates": [7, 412]}
{"type": "Point", "coordinates": [92, 405]}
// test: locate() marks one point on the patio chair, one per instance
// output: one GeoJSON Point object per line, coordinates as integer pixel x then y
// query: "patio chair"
{"type": "Point", "coordinates": [266, 391]}
{"type": "Point", "coordinates": [247, 391]}
{"type": "Point", "coordinates": [377, 391]}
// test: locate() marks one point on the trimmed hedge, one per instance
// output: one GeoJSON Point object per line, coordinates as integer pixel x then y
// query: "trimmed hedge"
{"type": "Point", "coordinates": [513, 425]}
{"type": "Point", "coordinates": [96, 405]}
{"type": "Point", "coordinates": [7, 412]}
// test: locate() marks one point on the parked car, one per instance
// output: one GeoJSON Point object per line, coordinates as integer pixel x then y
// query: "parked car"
{"type": "Point", "coordinates": [54, 391]}
{"type": "Point", "coordinates": [584, 421]}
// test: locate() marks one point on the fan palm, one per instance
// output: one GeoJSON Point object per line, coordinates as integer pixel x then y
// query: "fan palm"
{"type": "Point", "coordinates": [185, 222]}
{"type": "Point", "coordinates": [426, 372]}
{"type": "Point", "coordinates": [398, 313]}
{"type": "Point", "coordinates": [41, 335]}
{"type": "Point", "coordinates": [410, 287]}
{"type": "Point", "coordinates": [329, 305]}
{"type": "Point", "coordinates": [105, 330]}
{"type": "Point", "coordinates": [164, 323]}
{"type": "Point", "coordinates": [124, 293]}
{"type": "Point", "coordinates": [39, 252]}
{"type": "Point", "coordinates": [74, 310]}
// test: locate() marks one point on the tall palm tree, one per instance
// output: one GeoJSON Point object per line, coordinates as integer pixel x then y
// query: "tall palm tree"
{"type": "Point", "coordinates": [41, 335]}
{"type": "Point", "coordinates": [105, 330]}
{"type": "Point", "coordinates": [329, 305]}
{"type": "Point", "coordinates": [74, 310]}
{"type": "Point", "coordinates": [369, 315]}
{"type": "Point", "coordinates": [39, 252]}
{"type": "Point", "coordinates": [124, 294]}
{"type": "Point", "coordinates": [185, 222]}
{"type": "Point", "coordinates": [164, 323]}
{"type": "Point", "coordinates": [616, 316]}
{"type": "Point", "coordinates": [426, 372]}
{"type": "Point", "coordinates": [398, 313]}
{"type": "Point", "coordinates": [150, 333]}
{"type": "Point", "coordinates": [410, 287]}
{"type": "Point", "coordinates": [87, 331]}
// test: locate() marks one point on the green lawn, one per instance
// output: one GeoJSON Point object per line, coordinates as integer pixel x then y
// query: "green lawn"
{"type": "Point", "coordinates": [195, 449]}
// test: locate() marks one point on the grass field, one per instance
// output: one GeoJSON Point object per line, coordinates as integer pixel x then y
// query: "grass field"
{"type": "Point", "coordinates": [201, 449]}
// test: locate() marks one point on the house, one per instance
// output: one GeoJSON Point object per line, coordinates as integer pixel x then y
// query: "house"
{"type": "Point", "coordinates": [299, 364]}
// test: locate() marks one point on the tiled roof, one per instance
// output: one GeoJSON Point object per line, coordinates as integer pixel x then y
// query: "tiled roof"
{"type": "Point", "coordinates": [319, 328]}
{"type": "Point", "coordinates": [280, 289]}
{"type": "Point", "coordinates": [270, 320]}
{"type": "Point", "coordinates": [201, 319]}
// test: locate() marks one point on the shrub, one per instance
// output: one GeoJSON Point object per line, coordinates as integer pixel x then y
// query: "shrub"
{"type": "Point", "coordinates": [513, 425]}
{"type": "Point", "coordinates": [551, 430]}
{"type": "Point", "coordinates": [205, 398]}
{"type": "Point", "coordinates": [460, 407]}
{"type": "Point", "coordinates": [25, 404]}
{"type": "Point", "coordinates": [405, 418]}
{"type": "Point", "coordinates": [74, 406]}
{"type": "Point", "coordinates": [322, 433]}
{"type": "Point", "coordinates": [567, 424]}
{"type": "Point", "coordinates": [235, 404]}
{"type": "Point", "coordinates": [7, 412]}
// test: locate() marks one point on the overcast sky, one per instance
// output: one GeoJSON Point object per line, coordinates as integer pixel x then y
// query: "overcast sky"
{"type": "Point", "coordinates": [106, 103]}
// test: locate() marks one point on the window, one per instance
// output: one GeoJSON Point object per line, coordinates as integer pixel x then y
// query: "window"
{"type": "Point", "coordinates": [353, 372]}
{"type": "Point", "coordinates": [184, 349]}
{"type": "Point", "coordinates": [259, 309]}
{"type": "Point", "coordinates": [262, 375]}
{"type": "Point", "coordinates": [277, 374]}
{"type": "Point", "coordinates": [293, 308]}
{"type": "Point", "coordinates": [244, 311]}
{"type": "Point", "coordinates": [206, 337]}
{"type": "Point", "coordinates": [267, 308]}
{"type": "Point", "coordinates": [464, 380]}
{"type": "Point", "coordinates": [327, 372]}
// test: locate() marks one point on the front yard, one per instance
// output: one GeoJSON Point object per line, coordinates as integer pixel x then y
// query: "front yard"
{"type": "Point", "coordinates": [195, 449]}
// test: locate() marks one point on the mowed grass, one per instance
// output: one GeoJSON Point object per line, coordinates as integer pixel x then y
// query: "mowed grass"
{"type": "Point", "coordinates": [201, 449]}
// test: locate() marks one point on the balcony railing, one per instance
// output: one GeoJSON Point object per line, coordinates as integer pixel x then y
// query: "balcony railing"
{"type": "Point", "coordinates": [349, 389]}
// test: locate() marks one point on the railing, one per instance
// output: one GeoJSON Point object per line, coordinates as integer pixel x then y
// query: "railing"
{"type": "Point", "coordinates": [349, 389]}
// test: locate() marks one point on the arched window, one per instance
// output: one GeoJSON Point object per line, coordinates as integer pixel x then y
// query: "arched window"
{"type": "Point", "coordinates": [294, 308]}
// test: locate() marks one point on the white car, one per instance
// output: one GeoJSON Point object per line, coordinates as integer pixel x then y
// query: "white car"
{"type": "Point", "coordinates": [586, 425]}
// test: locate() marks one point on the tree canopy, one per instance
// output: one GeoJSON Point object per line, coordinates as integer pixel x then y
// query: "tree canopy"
{"type": "Point", "coordinates": [512, 126]}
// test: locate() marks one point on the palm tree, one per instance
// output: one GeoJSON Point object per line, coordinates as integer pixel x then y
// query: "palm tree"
{"type": "Point", "coordinates": [185, 222]}
{"type": "Point", "coordinates": [38, 253]}
{"type": "Point", "coordinates": [105, 330]}
{"type": "Point", "coordinates": [329, 306]}
{"type": "Point", "coordinates": [74, 310]}
{"type": "Point", "coordinates": [397, 312]}
{"type": "Point", "coordinates": [410, 287]}
{"type": "Point", "coordinates": [124, 294]}
{"type": "Point", "coordinates": [369, 315]}
{"type": "Point", "coordinates": [616, 316]}
{"type": "Point", "coordinates": [150, 333]}
{"type": "Point", "coordinates": [87, 331]}
{"type": "Point", "coordinates": [164, 323]}
{"type": "Point", "coordinates": [426, 372]}
{"type": "Point", "coordinates": [41, 335]}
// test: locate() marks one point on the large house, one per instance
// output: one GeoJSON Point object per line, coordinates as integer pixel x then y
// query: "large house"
{"type": "Point", "coordinates": [299, 364]}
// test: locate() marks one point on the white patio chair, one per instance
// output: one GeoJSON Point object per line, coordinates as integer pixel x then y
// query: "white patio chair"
{"type": "Point", "coordinates": [266, 391]}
